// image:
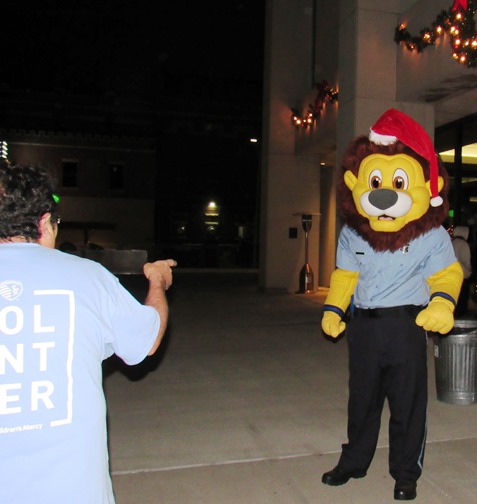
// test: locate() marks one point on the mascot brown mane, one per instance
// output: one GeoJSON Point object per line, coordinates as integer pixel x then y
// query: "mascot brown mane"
{"type": "Point", "coordinates": [362, 147]}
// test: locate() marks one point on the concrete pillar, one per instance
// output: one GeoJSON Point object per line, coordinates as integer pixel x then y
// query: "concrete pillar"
{"type": "Point", "coordinates": [290, 183]}
{"type": "Point", "coordinates": [368, 70]}
{"type": "Point", "coordinates": [292, 179]}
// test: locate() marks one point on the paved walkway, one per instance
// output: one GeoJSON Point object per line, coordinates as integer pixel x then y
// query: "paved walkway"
{"type": "Point", "coordinates": [246, 404]}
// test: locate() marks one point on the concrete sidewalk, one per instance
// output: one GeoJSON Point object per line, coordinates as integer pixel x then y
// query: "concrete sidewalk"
{"type": "Point", "coordinates": [246, 404]}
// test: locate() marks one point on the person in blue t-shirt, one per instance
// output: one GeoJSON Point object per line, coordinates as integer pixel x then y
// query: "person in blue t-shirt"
{"type": "Point", "coordinates": [60, 317]}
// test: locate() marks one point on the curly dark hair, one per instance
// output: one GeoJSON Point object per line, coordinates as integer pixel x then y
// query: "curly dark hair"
{"type": "Point", "coordinates": [357, 150]}
{"type": "Point", "coordinates": [26, 194]}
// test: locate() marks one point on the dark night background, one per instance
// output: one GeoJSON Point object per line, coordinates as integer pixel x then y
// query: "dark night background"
{"type": "Point", "coordinates": [133, 48]}
{"type": "Point", "coordinates": [192, 72]}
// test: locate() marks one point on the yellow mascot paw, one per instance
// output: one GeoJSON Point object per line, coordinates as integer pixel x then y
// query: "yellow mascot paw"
{"type": "Point", "coordinates": [437, 317]}
{"type": "Point", "coordinates": [332, 324]}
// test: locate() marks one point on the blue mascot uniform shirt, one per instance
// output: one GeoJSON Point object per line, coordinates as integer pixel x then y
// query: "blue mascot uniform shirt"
{"type": "Point", "coordinates": [394, 278]}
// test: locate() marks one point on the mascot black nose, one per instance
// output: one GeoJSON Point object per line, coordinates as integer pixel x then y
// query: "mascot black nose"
{"type": "Point", "coordinates": [383, 198]}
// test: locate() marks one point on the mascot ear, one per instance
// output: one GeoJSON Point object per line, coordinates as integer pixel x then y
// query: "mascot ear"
{"type": "Point", "coordinates": [350, 180]}
{"type": "Point", "coordinates": [440, 185]}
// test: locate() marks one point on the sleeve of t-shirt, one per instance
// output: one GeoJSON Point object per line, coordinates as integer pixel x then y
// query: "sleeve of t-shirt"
{"type": "Point", "coordinates": [134, 326]}
{"type": "Point", "coordinates": [345, 259]}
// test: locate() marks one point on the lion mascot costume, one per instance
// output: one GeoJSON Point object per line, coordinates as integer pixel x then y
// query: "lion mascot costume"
{"type": "Point", "coordinates": [396, 277]}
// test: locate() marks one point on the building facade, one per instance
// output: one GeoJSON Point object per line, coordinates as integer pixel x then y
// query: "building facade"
{"type": "Point", "coordinates": [349, 47]}
{"type": "Point", "coordinates": [104, 165]}
{"type": "Point", "coordinates": [175, 178]}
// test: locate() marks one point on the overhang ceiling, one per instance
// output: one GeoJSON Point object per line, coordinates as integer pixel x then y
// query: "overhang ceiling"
{"type": "Point", "coordinates": [453, 98]}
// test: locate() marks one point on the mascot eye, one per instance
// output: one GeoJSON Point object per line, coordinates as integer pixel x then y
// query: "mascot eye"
{"type": "Point", "coordinates": [400, 180]}
{"type": "Point", "coordinates": [375, 179]}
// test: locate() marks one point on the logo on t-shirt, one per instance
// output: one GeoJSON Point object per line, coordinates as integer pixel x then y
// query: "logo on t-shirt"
{"type": "Point", "coordinates": [36, 357]}
{"type": "Point", "coordinates": [11, 289]}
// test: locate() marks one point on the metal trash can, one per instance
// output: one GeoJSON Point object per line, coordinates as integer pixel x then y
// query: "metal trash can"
{"type": "Point", "coordinates": [455, 358]}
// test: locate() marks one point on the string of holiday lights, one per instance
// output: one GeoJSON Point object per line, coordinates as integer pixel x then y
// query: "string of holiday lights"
{"type": "Point", "coordinates": [3, 149]}
{"type": "Point", "coordinates": [326, 94]}
{"type": "Point", "coordinates": [458, 22]}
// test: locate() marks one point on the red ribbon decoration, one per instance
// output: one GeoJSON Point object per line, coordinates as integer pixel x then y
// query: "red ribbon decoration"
{"type": "Point", "coordinates": [460, 4]}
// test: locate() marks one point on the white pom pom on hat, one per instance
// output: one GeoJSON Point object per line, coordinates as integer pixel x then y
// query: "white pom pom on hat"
{"type": "Point", "coordinates": [394, 125]}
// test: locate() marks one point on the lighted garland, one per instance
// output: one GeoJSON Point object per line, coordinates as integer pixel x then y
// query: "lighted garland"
{"type": "Point", "coordinates": [3, 149]}
{"type": "Point", "coordinates": [458, 22]}
{"type": "Point", "coordinates": [326, 94]}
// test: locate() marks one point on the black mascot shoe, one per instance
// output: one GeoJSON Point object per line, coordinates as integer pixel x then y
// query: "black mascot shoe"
{"type": "Point", "coordinates": [337, 476]}
{"type": "Point", "coordinates": [405, 490]}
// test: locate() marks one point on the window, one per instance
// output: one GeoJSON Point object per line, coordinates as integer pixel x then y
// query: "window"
{"type": "Point", "coordinates": [70, 173]}
{"type": "Point", "coordinates": [456, 143]}
{"type": "Point", "coordinates": [116, 176]}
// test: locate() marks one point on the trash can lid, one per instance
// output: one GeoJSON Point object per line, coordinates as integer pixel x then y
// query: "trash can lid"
{"type": "Point", "coordinates": [464, 326]}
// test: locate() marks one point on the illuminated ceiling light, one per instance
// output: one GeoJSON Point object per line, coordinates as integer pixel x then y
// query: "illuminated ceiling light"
{"type": "Point", "coordinates": [253, 140]}
{"type": "Point", "coordinates": [212, 210]}
{"type": "Point", "coordinates": [469, 154]}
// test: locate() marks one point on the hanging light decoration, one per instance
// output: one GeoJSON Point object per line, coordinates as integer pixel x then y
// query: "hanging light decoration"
{"type": "Point", "coordinates": [326, 94]}
{"type": "Point", "coordinates": [3, 149]}
{"type": "Point", "coordinates": [458, 22]}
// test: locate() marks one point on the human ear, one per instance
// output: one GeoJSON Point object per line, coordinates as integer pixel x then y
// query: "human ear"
{"type": "Point", "coordinates": [47, 231]}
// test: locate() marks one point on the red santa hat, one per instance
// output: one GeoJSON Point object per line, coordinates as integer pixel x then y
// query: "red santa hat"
{"type": "Point", "coordinates": [394, 125]}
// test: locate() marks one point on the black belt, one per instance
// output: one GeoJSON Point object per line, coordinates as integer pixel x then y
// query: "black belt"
{"type": "Point", "coordinates": [392, 312]}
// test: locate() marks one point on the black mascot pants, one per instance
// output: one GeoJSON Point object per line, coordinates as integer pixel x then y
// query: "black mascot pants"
{"type": "Point", "coordinates": [387, 360]}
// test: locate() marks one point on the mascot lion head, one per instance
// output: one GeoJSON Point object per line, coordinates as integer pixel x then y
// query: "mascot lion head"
{"type": "Point", "coordinates": [394, 187]}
